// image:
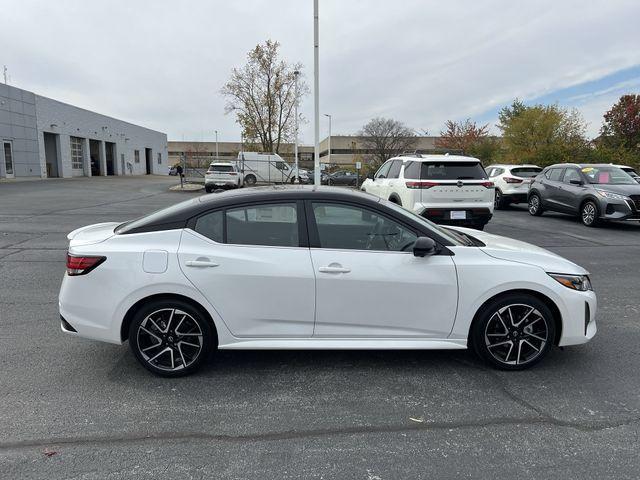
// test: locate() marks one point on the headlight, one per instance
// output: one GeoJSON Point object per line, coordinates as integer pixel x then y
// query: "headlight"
{"type": "Point", "coordinates": [574, 282]}
{"type": "Point", "coordinates": [611, 195]}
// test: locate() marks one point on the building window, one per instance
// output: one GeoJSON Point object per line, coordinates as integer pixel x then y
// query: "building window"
{"type": "Point", "coordinates": [136, 156]}
{"type": "Point", "coordinates": [159, 158]}
{"type": "Point", "coordinates": [77, 155]}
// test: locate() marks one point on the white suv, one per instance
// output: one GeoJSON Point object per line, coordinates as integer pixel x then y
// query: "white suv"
{"type": "Point", "coordinates": [512, 182]}
{"type": "Point", "coordinates": [446, 189]}
{"type": "Point", "coordinates": [222, 175]}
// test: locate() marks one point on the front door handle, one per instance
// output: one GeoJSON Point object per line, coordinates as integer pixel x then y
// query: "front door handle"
{"type": "Point", "coordinates": [334, 269]}
{"type": "Point", "coordinates": [200, 263]}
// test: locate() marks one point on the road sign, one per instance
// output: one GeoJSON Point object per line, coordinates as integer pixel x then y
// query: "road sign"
{"type": "Point", "coordinates": [358, 165]}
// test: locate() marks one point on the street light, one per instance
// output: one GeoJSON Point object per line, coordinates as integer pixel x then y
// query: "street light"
{"type": "Point", "coordinates": [216, 145]}
{"type": "Point", "coordinates": [329, 160]}
{"type": "Point", "coordinates": [316, 96]}
{"type": "Point", "coordinates": [296, 74]}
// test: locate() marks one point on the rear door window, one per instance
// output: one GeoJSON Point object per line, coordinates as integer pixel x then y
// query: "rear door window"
{"type": "Point", "coordinates": [412, 170]}
{"type": "Point", "coordinates": [452, 171]}
{"type": "Point", "coordinates": [554, 174]}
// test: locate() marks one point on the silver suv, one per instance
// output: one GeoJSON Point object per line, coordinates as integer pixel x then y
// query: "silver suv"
{"type": "Point", "coordinates": [595, 192]}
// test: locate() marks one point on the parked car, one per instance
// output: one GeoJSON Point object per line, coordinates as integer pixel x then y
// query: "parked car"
{"type": "Point", "coordinates": [631, 171]}
{"type": "Point", "coordinates": [593, 192]}
{"type": "Point", "coordinates": [324, 178]}
{"type": "Point", "coordinates": [267, 168]}
{"type": "Point", "coordinates": [222, 175]}
{"type": "Point", "coordinates": [173, 170]}
{"type": "Point", "coordinates": [343, 177]}
{"type": "Point", "coordinates": [447, 189]}
{"type": "Point", "coordinates": [315, 268]}
{"type": "Point", "coordinates": [511, 182]}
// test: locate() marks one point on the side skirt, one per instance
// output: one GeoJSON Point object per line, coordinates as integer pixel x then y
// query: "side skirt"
{"type": "Point", "coordinates": [345, 344]}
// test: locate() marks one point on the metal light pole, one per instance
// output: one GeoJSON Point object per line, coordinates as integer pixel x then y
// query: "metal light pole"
{"type": "Point", "coordinates": [329, 146]}
{"type": "Point", "coordinates": [216, 145]}
{"type": "Point", "coordinates": [295, 145]}
{"type": "Point", "coordinates": [316, 96]}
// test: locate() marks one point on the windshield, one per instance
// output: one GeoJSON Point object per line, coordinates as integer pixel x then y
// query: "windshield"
{"type": "Point", "coordinates": [607, 175]}
{"type": "Point", "coordinates": [455, 238]}
{"type": "Point", "coordinates": [221, 168]}
{"type": "Point", "coordinates": [526, 172]}
{"type": "Point", "coordinates": [452, 171]}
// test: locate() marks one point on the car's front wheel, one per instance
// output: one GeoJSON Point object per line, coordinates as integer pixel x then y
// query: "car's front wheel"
{"type": "Point", "coordinates": [171, 337]}
{"type": "Point", "coordinates": [589, 214]}
{"type": "Point", "coordinates": [513, 332]}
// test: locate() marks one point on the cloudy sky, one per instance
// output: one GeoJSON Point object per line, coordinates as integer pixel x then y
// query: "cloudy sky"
{"type": "Point", "coordinates": [162, 63]}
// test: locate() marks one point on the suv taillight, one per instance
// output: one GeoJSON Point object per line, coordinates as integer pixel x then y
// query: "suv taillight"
{"type": "Point", "coordinates": [421, 184]}
{"type": "Point", "coordinates": [512, 180]}
{"type": "Point", "coordinates": [81, 265]}
{"type": "Point", "coordinates": [487, 184]}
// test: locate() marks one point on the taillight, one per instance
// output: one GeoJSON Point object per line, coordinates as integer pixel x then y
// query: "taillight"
{"type": "Point", "coordinates": [487, 184]}
{"type": "Point", "coordinates": [232, 173]}
{"type": "Point", "coordinates": [421, 184]}
{"type": "Point", "coordinates": [81, 265]}
{"type": "Point", "coordinates": [512, 180]}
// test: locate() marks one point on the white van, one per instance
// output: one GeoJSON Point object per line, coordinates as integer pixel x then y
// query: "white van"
{"type": "Point", "coordinates": [267, 168]}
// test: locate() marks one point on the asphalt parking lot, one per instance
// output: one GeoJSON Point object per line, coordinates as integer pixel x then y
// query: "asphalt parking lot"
{"type": "Point", "coordinates": [76, 409]}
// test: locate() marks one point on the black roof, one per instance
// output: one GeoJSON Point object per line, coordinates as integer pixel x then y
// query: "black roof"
{"type": "Point", "coordinates": [176, 216]}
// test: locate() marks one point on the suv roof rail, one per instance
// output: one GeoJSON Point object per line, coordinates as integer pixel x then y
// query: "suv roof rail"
{"type": "Point", "coordinates": [415, 153]}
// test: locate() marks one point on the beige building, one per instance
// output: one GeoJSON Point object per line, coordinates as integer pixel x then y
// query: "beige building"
{"type": "Point", "coordinates": [346, 150]}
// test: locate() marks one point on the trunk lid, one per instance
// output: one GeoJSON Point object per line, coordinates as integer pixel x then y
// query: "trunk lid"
{"type": "Point", "coordinates": [92, 234]}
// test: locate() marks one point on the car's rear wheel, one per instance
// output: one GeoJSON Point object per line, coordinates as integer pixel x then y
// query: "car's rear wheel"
{"type": "Point", "coordinates": [250, 180]}
{"type": "Point", "coordinates": [513, 332]}
{"type": "Point", "coordinates": [589, 214]}
{"type": "Point", "coordinates": [499, 202]}
{"type": "Point", "coordinates": [171, 338]}
{"type": "Point", "coordinates": [535, 205]}
{"type": "Point", "coordinates": [208, 189]}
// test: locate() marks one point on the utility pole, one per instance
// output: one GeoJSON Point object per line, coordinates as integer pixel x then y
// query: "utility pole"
{"type": "Point", "coordinates": [316, 96]}
{"type": "Point", "coordinates": [329, 160]}
{"type": "Point", "coordinates": [216, 145]}
{"type": "Point", "coordinates": [295, 145]}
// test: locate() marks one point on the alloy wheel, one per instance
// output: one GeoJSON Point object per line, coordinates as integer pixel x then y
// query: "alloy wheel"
{"type": "Point", "coordinates": [170, 339]}
{"type": "Point", "coordinates": [516, 334]}
{"type": "Point", "coordinates": [497, 202]}
{"type": "Point", "coordinates": [534, 204]}
{"type": "Point", "coordinates": [588, 213]}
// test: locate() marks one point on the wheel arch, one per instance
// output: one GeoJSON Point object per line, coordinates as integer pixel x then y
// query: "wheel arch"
{"type": "Point", "coordinates": [128, 317]}
{"type": "Point", "coordinates": [555, 311]}
{"type": "Point", "coordinates": [590, 198]}
{"type": "Point", "coordinates": [395, 198]}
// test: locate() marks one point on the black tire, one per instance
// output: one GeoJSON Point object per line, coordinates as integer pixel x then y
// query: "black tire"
{"type": "Point", "coordinates": [208, 189]}
{"type": "Point", "coordinates": [188, 334]}
{"type": "Point", "coordinates": [479, 226]}
{"type": "Point", "coordinates": [590, 214]}
{"type": "Point", "coordinates": [527, 339]}
{"type": "Point", "coordinates": [535, 205]}
{"type": "Point", "coordinates": [395, 200]}
{"type": "Point", "coordinates": [250, 180]}
{"type": "Point", "coordinates": [500, 202]}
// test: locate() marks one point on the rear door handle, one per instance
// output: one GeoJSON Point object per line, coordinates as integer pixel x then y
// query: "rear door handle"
{"type": "Point", "coordinates": [200, 263]}
{"type": "Point", "coordinates": [331, 269]}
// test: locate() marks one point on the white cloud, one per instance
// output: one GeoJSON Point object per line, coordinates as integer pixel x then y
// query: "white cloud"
{"type": "Point", "coordinates": [162, 63]}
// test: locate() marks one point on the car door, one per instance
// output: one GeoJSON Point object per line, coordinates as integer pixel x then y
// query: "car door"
{"type": "Point", "coordinates": [379, 179]}
{"type": "Point", "coordinates": [552, 181]}
{"type": "Point", "coordinates": [254, 267]}
{"type": "Point", "coordinates": [393, 179]}
{"type": "Point", "coordinates": [369, 283]}
{"type": "Point", "coordinates": [570, 195]}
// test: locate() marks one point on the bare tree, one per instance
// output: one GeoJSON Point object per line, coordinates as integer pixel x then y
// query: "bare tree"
{"type": "Point", "coordinates": [262, 94]}
{"type": "Point", "coordinates": [387, 137]}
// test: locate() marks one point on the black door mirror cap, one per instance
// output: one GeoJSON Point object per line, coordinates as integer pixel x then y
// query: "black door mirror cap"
{"type": "Point", "coordinates": [424, 247]}
{"type": "Point", "coordinates": [575, 181]}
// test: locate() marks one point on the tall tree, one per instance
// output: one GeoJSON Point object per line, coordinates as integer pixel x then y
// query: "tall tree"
{"type": "Point", "coordinates": [543, 134]}
{"type": "Point", "coordinates": [386, 137]}
{"type": "Point", "coordinates": [262, 94]}
{"type": "Point", "coordinates": [621, 126]}
{"type": "Point", "coordinates": [461, 135]}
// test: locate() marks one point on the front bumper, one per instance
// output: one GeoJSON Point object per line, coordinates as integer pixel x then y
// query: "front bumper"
{"type": "Point", "coordinates": [578, 318]}
{"type": "Point", "coordinates": [620, 209]}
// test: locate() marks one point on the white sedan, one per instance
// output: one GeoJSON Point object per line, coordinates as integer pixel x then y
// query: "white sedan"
{"type": "Point", "coordinates": [316, 268]}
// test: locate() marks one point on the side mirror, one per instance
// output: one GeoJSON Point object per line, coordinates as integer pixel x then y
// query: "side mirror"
{"type": "Point", "coordinates": [424, 247]}
{"type": "Point", "coordinates": [575, 181]}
